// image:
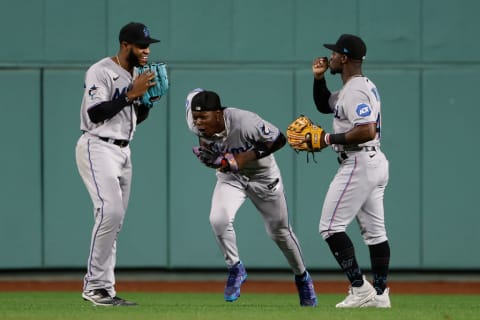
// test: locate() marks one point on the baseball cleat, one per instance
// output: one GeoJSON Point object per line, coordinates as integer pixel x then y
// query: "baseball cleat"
{"type": "Point", "coordinates": [380, 300]}
{"type": "Point", "coordinates": [236, 276]}
{"type": "Point", "coordinates": [357, 296]}
{"type": "Point", "coordinates": [306, 292]}
{"type": "Point", "coordinates": [100, 297]}
{"type": "Point", "coordinates": [122, 302]}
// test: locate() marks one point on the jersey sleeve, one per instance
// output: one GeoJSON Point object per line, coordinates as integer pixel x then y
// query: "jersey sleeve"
{"type": "Point", "coordinates": [259, 130]}
{"type": "Point", "coordinates": [359, 109]}
{"type": "Point", "coordinates": [96, 87]}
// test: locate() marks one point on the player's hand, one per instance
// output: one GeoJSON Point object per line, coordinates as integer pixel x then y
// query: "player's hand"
{"type": "Point", "coordinates": [141, 84]}
{"type": "Point", "coordinates": [235, 162]}
{"type": "Point", "coordinates": [208, 157]}
{"type": "Point", "coordinates": [319, 66]}
{"type": "Point", "coordinates": [228, 163]}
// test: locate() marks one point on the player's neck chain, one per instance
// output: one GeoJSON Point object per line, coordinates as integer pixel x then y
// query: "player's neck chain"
{"type": "Point", "coordinates": [118, 61]}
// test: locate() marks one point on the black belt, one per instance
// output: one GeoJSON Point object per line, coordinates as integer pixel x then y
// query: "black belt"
{"type": "Point", "coordinates": [358, 148]}
{"type": "Point", "coordinates": [120, 143]}
{"type": "Point", "coordinates": [344, 156]}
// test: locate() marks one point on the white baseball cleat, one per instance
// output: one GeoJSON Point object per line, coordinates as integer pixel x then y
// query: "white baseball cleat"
{"type": "Point", "coordinates": [357, 296]}
{"type": "Point", "coordinates": [380, 300]}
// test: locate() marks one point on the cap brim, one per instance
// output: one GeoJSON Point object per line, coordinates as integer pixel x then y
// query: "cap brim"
{"type": "Point", "coordinates": [149, 41]}
{"type": "Point", "coordinates": [332, 47]}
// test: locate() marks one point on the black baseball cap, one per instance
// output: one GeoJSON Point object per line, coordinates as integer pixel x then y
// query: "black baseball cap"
{"type": "Point", "coordinates": [136, 33]}
{"type": "Point", "coordinates": [349, 45]}
{"type": "Point", "coordinates": [206, 101]}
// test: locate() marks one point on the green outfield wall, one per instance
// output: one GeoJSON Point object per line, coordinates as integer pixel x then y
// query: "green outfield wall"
{"type": "Point", "coordinates": [423, 55]}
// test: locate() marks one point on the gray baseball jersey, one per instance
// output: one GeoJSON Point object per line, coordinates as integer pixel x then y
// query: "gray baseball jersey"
{"type": "Point", "coordinates": [105, 168]}
{"type": "Point", "coordinates": [357, 103]}
{"type": "Point", "coordinates": [260, 181]}
{"type": "Point", "coordinates": [104, 81]}
{"type": "Point", "coordinates": [357, 189]}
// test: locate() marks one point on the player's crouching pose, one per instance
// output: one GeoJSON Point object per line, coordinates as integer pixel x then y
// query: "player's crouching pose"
{"type": "Point", "coordinates": [240, 146]}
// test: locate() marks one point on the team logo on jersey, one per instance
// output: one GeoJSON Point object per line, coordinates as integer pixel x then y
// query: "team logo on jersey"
{"type": "Point", "coordinates": [363, 110]}
{"type": "Point", "coordinates": [265, 129]}
{"type": "Point", "coordinates": [118, 93]}
{"type": "Point", "coordinates": [336, 112]}
{"type": "Point", "coordinates": [92, 91]}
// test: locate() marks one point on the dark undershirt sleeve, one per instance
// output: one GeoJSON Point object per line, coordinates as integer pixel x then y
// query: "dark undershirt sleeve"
{"type": "Point", "coordinates": [321, 94]}
{"type": "Point", "coordinates": [278, 143]}
{"type": "Point", "coordinates": [107, 109]}
{"type": "Point", "coordinates": [142, 113]}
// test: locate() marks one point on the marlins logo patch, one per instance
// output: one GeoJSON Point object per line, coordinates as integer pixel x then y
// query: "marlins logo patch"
{"type": "Point", "coordinates": [265, 129]}
{"type": "Point", "coordinates": [92, 91]}
{"type": "Point", "coordinates": [363, 110]}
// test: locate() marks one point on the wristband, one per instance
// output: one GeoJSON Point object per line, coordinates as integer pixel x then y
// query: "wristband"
{"type": "Point", "coordinates": [327, 139]}
{"type": "Point", "coordinates": [338, 138]}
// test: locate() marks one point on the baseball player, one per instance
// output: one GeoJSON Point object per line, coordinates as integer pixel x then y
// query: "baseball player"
{"type": "Point", "coordinates": [111, 109]}
{"type": "Point", "coordinates": [357, 189]}
{"type": "Point", "coordinates": [240, 145]}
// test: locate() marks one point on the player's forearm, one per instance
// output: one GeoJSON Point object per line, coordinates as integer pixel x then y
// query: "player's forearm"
{"type": "Point", "coordinates": [107, 109]}
{"type": "Point", "coordinates": [262, 150]}
{"type": "Point", "coordinates": [321, 94]}
{"type": "Point", "coordinates": [359, 134]}
{"type": "Point", "coordinates": [278, 143]}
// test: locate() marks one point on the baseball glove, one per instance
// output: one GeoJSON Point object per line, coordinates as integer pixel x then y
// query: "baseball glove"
{"type": "Point", "coordinates": [221, 161]}
{"type": "Point", "coordinates": [208, 157]}
{"type": "Point", "coordinates": [160, 88]}
{"type": "Point", "coordinates": [303, 135]}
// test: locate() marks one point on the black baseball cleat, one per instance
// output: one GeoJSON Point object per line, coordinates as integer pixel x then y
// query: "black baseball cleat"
{"type": "Point", "coordinates": [122, 302]}
{"type": "Point", "coordinates": [100, 297]}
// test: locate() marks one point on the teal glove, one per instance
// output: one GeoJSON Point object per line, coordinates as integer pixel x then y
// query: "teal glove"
{"type": "Point", "coordinates": [154, 93]}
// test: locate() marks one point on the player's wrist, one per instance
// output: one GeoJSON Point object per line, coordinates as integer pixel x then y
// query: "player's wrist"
{"type": "Point", "coordinates": [326, 138]}
{"type": "Point", "coordinates": [130, 95]}
{"type": "Point", "coordinates": [130, 99]}
{"type": "Point", "coordinates": [127, 99]}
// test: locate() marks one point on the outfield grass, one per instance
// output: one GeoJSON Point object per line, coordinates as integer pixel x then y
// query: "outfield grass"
{"type": "Point", "coordinates": [176, 306]}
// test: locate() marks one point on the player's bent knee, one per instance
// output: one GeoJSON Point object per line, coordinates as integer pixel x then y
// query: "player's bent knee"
{"type": "Point", "coordinates": [219, 225]}
{"type": "Point", "coordinates": [278, 236]}
{"type": "Point", "coordinates": [325, 233]}
{"type": "Point", "coordinates": [113, 214]}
